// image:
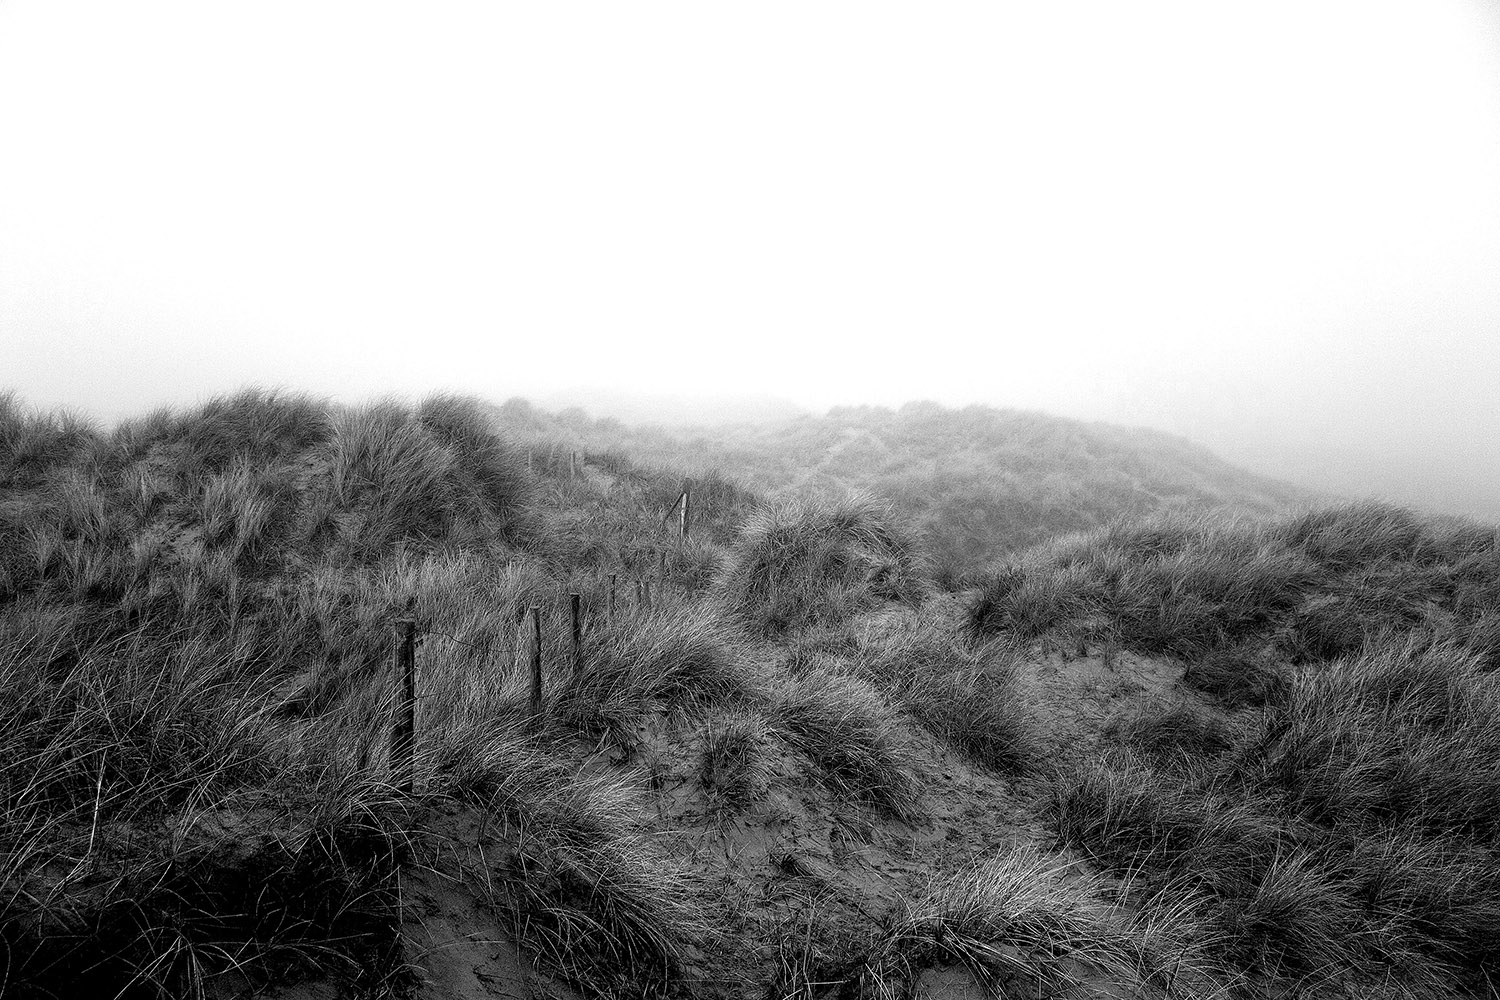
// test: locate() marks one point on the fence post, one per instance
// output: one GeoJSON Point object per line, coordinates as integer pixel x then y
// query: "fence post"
{"type": "Point", "coordinates": [572, 465]}
{"type": "Point", "coordinates": [573, 601]}
{"type": "Point", "coordinates": [648, 593]}
{"type": "Point", "coordinates": [687, 496]}
{"type": "Point", "coordinates": [403, 763]}
{"type": "Point", "coordinates": [536, 661]}
{"type": "Point", "coordinates": [611, 596]}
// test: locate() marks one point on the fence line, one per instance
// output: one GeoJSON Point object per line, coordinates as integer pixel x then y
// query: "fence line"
{"type": "Point", "coordinates": [402, 751]}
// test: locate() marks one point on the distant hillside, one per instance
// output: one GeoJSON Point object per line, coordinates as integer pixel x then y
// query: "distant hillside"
{"type": "Point", "coordinates": [979, 482]}
{"type": "Point", "coordinates": [674, 409]}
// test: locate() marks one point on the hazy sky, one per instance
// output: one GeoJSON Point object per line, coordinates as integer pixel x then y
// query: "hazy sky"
{"type": "Point", "coordinates": [1272, 226]}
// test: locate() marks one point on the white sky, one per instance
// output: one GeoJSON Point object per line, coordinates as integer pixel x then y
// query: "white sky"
{"type": "Point", "coordinates": [1272, 226]}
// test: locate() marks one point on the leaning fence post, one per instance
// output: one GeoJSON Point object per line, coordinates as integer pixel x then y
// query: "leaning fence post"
{"type": "Point", "coordinates": [536, 660]}
{"type": "Point", "coordinates": [573, 600]}
{"type": "Point", "coordinates": [403, 763]}
{"type": "Point", "coordinates": [687, 496]}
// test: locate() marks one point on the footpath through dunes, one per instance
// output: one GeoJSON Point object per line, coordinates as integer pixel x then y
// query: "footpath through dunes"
{"type": "Point", "coordinates": [1171, 759]}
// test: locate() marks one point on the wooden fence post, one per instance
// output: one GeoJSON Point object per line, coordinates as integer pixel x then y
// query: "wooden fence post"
{"type": "Point", "coordinates": [403, 763]}
{"type": "Point", "coordinates": [611, 596]}
{"type": "Point", "coordinates": [687, 496]}
{"type": "Point", "coordinates": [536, 661]}
{"type": "Point", "coordinates": [573, 601]}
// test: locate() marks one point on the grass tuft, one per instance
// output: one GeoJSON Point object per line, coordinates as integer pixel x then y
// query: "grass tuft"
{"type": "Point", "coordinates": [801, 562]}
{"type": "Point", "coordinates": [734, 765]}
{"type": "Point", "coordinates": [962, 694]}
{"type": "Point", "coordinates": [1024, 923]}
{"type": "Point", "coordinates": [846, 727]}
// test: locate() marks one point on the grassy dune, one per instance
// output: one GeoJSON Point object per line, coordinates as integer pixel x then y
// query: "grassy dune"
{"type": "Point", "coordinates": [805, 770]}
{"type": "Point", "coordinates": [1336, 811]}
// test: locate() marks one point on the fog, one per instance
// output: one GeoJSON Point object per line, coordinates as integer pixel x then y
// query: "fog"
{"type": "Point", "coordinates": [1271, 227]}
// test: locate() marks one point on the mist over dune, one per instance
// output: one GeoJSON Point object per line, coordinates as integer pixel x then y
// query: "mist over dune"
{"type": "Point", "coordinates": [980, 482]}
{"type": "Point", "coordinates": [1442, 475]}
{"type": "Point", "coordinates": [775, 501]}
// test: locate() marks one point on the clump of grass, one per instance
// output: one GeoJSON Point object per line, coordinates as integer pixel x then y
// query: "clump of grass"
{"type": "Point", "coordinates": [965, 695]}
{"type": "Point", "coordinates": [600, 906]}
{"type": "Point", "coordinates": [1354, 534]}
{"type": "Point", "coordinates": [735, 763]}
{"type": "Point", "coordinates": [1342, 834]}
{"type": "Point", "coordinates": [253, 425]}
{"type": "Point", "coordinates": [496, 468]}
{"type": "Point", "coordinates": [1403, 735]}
{"type": "Point", "coordinates": [389, 477]}
{"type": "Point", "coordinates": [169, 921]}
{"type": "Point", "coordinates": [801, 562]}
{"type": "Point", "coordinates": [1025, 923]}
{"type": "Point", "coordinates": [157, 718]}
{"type": "Point", "coordinates": [976, 713]}
{"type": "Point", "coordinates": [1238, 677]}
{"type": "Point", "coordinates": [1317, 586]}
{"type": "Point", "coordinates": [1181, 735]}
{"type": "Point", "coordinates": [113, 757]}
{"type": "Point", "coordinates": [1430, 904]}
{"type": "Point", "coordinates": [613, 917]}
{"type": "Point", "coordinates": [854, 736]}
{"type": "Point", "coordinates": [694, 564]}
{"type": "Point", "coordinates": [1129, 817]}
{"type": "Point", "coordinates": [1267, 907]}
{"type": "Point", "coordinates": [34, 443]}
{"type": "Point", "coordinates": [1481, 633]}
{"type": "Point", "coordinates": [676, 656]}
{"type": "Point", "coordinates": [1293, 922]}
{"type": "Point", "coordinates": [1026, 604]}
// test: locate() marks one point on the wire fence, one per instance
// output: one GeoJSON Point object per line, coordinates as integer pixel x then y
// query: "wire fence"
{"type": "Point", "coordinates": [406, 633]}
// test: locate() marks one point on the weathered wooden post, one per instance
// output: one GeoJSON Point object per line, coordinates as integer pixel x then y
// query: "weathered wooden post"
{"type": "Point", "coordinates": [687, 496]}
{"type": "Point", "coordinates": [611, 596]}
{"type": "Point", "coordinates": [573, 601]}
{"type": "Point", "coordinates": [403, 763]}
{"type": "Point", "coordinates": [536, 661]}
{"type": "Point", "coordinates": [572, 465]}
